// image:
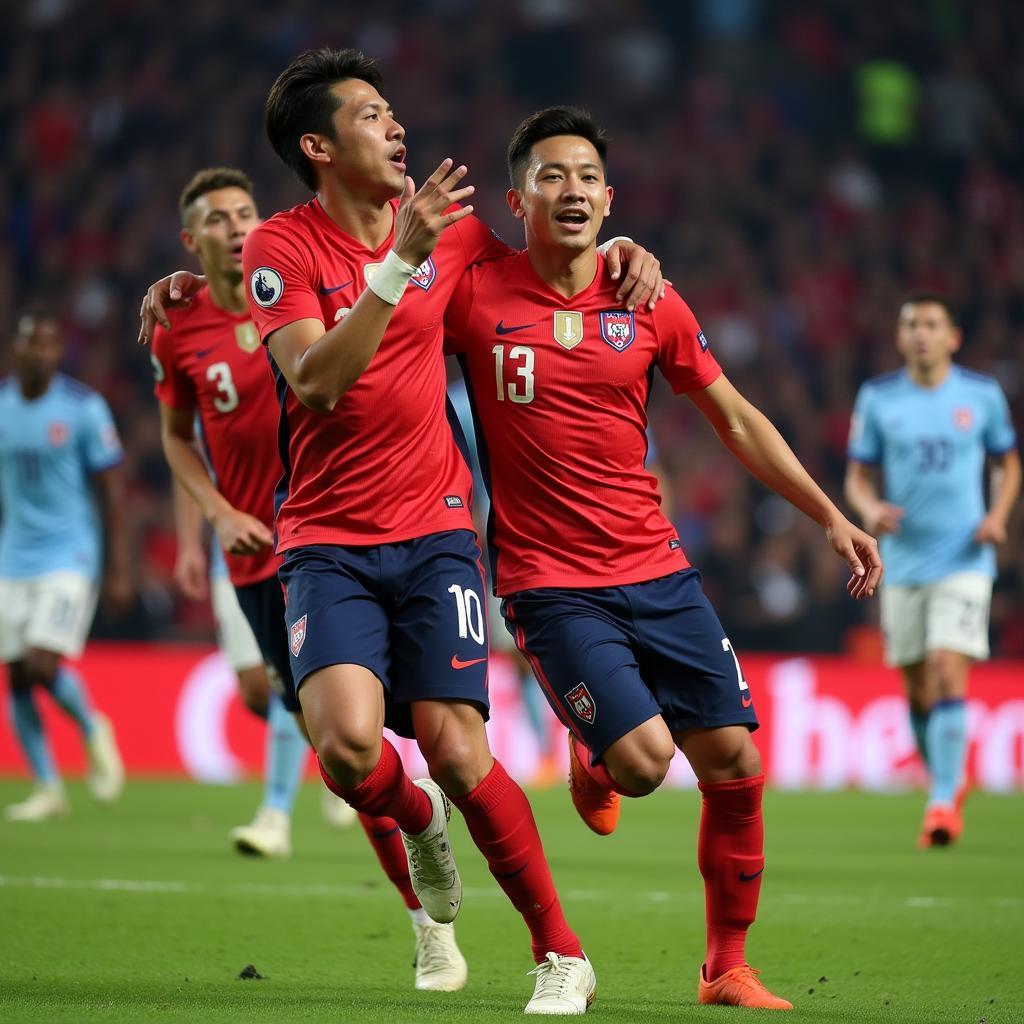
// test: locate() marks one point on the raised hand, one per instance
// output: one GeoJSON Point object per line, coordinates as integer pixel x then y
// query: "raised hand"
{"type": "Point", "coordinates": [177, 289]}
{"type": "Point", "coordinates": [421, 215]}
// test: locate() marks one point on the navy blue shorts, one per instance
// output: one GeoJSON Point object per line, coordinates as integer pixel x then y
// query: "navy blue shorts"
{"type": "Point", "coordinates": [262, 605]}
{"type": "Point", "coordinates": [414, 613]}
{"type": "Point", "coordinates": [610, 658]}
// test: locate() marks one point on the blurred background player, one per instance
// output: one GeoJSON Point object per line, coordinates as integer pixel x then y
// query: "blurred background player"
{"type": "Point", "coordinates": [598, 592]}
{"type": "Point", "coordinates": [928, 428]}
{"type": "Point", "coordinates": [59, 451]}
{"type": "Point", "coordinates": [199, 577]}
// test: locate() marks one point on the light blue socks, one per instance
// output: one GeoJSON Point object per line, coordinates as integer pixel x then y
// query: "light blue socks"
{"type": "Point", "coordinates": [29, 727]}
{"type": "Point", "coordinates": [947, 749]}
{"type": "Point", "coordinates": [69, 692]}
{"type": "Point", "coordinates": [286, 757]}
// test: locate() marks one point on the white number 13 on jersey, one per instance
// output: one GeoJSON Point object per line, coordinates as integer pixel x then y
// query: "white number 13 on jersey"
{"type": "Point", "coordinates": [519, 391]}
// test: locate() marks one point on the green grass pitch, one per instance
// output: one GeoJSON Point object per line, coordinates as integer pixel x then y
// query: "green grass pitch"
{"type": "Point", "coordinates": [141, 913]}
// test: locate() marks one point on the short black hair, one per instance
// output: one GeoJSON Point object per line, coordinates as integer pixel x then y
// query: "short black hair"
{"type": "Point", "coordinates": [301, 101]}
{"type": "Point", "coordinates": [209, 180]}
{"type": "Point", "coordinates": [920, 296]}
{"type": "Point", "coordinates": [547, 123]}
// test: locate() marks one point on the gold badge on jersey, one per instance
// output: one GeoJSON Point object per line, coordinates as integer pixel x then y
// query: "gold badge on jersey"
{"type": "Point", "coordinates": [568, 327]}
{"type": "Point", "coordinates": [247, 337]}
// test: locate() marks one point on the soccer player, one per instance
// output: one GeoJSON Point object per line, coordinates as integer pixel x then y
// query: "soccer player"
{"type": "Point", "coordinates": [384, 584]}
{"type": "Point", "coordinates": [597, 590]}
{"type": "Point", "coordinates": [929, 428]}
{"type": "Point", "coordinates": [59, 451]}
{"type": "Point", "coordinates": [209, 363]}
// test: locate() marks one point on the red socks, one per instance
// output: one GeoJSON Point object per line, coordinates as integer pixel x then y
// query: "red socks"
{"type": "Point", "coordinates": [500, 820]}
{"type": "Point", "coordinates": [598, 772]}
{"type": "Point", "coordinates": [386, 840]}
{"type": "Point", "coordinates": [387, 792]}
{"type": "Point", "coordinates": [730, 855]}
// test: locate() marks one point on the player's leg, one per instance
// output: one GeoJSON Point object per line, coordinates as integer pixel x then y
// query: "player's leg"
{"type": "Point", "coordinates": [919, 701]}
{"type": "Point", "coordinates": [957, 634]}
{"type": "Point", "coordinates": [618, 743]}
{"type": "Point", "coordinates": [690, 665]}
{"type": "Point", "coordinates": [286, 749]}
{"type": "Point", "coordinates": [439, 667]}
{"type": "Point", "coordinates": [57, 628]}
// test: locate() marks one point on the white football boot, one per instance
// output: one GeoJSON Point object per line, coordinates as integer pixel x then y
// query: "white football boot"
{"type": "Point", "coordinates": [440, 965]}
{"type": "Point", "coordinates": [432, 871]}
{"type": "Point", "coordinates": [565, 985]}
{"type": "Point", "coordinates": [269, 834]}
{"type": "Point", "coordinates": [336, 812]}
{"type": "Point", "coordinates": [47, 800]}
{"type": "Point", "coordinates": [106, 770]}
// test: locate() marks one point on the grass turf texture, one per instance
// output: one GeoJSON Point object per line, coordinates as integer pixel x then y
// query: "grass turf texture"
{"type": "Point", "coordinates": [141, 912]}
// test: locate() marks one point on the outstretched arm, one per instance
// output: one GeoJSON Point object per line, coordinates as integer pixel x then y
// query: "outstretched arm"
{"type": "Point", "coordinates": [753, 439]}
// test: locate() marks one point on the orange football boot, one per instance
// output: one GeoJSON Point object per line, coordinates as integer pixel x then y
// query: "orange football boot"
{"type": "Point", "coordinates": [739, 987]}
{"type": "Point", "coordinates": [941, 827]}
{"type": "Point", "coordinates": [597, 805]}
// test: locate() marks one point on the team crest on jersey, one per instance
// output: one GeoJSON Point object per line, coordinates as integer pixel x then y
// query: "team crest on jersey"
{"type": "Point", "coordinates": [617, 328]}
{"type": "Point", "coordinates": [568, 327]}
{"type": "Point", "coordinates": [247, 337]}
{"type": "Point", "coordinates": [58, 434]}
{"type": "Point", "coordinates": [297, 636]}
{"type": "Point", "coordinates": [963, 417]}
{"type": "Point", "coordinates": [425, 274]}
{"type": "Point", "coordinates": [267, 286]}
{"type": "Point", "coordinates": [582, 703]}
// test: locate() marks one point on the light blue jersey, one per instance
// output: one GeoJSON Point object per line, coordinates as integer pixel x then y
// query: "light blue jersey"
{"type": "Point", "coordinates": [49, 450]}
{"type": "Point", "coordinates": [931, 444]}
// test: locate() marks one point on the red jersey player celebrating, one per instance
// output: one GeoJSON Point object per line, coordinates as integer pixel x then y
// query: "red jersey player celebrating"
{"type": "Point", "coordinates": [209, 360]}
{"type": "Point", "coordinates": [382, 572]}
{"type": "Point", "coordinates": [597, 590]}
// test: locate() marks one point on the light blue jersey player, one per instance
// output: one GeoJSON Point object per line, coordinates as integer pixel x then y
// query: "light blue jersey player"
{"type": "Point", "coordinates": [58, 449]}
{"type": "Point", "coordinates": [930, 428]}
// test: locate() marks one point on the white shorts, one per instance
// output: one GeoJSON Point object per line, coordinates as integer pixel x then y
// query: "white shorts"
{"type": "Point", "coordinates": [52, 612]}
{"type": "Point", "coordinates": [234, 634]}
{"type": "Point", "coordinates": [950, 614]}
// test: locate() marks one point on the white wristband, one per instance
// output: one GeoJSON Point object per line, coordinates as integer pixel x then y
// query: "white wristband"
{"type": "Point", "coordinates": [604, 247]}
{"type": "Point", "coordinates": [390, 278]}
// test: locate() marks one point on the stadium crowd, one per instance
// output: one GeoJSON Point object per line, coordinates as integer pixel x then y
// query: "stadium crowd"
{"type": "Point", "coordinates": [796, 170]}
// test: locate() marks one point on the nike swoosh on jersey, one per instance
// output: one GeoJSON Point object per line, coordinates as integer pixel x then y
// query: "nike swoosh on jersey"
{"type": "Point", "coordinates": [202, 353]}
{"type": "Point", "coordinates": [457, 662]}
{"type": "Point", "coordinates": [502, 329]}
{"type": "Point", "coordinates": [337, 288]}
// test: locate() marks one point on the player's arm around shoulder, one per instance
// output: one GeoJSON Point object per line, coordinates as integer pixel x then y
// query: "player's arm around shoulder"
{"type": "Point", "coordinates": [755, 441]}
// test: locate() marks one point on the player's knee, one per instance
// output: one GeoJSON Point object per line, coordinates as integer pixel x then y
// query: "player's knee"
{"type": "Point", "coordinates": [254, 689]}
{"type": "Point", "coordinates": [457, 765]}
{"type": "Point", "coordinates": [348, 756]}
{"type": "Point", "coordinates": [17, 678]}
{"type": "Point", "coordinates": [643, 770]}
{"type": "Point", "coordinates": [40, 668]}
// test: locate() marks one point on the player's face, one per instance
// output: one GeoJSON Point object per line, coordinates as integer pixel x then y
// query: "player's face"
{"type": "Point", "coordinates": [367, 153]}
{"type": "Point", "coordinates": [218, 222]}
{"type": "Point", "coordinates": [564, 199]}
{"type": "Point", "coordinates": [925, 336]}
{"type": "Point", "coordinates": [37, 351]}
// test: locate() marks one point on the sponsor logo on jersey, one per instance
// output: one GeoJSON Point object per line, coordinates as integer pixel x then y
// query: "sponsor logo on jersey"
{"type": "Point", "coordinates": [58, 434]}
{"type": "Point", "coordinates": [568, 327]}
{"type": "Point", "coordinates": [702, 341]}
{"type": "Point", "coordinates": [266, 286]}
{"type": "Point", "coordinates": [247, 337]}
{"type": "Point", "coordinates": [963, 417]}
{"type": "Point", "coordinates": [582, 703]}
{"type": "Point", "coordinates": [675, 544]}
{"type": "Point", "coordinates": [297, 636]}
{"type": "Point", "coordinates": [617, 328]}
{"type": "Point", "coordinates": [453, 501]}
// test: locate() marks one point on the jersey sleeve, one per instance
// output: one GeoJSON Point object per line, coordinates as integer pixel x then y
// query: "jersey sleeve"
{"type": "Point", "coordinates": [865, 444]}
{"type": "Point", "coordinates": [99, 441]}
{"type": "Point", "coordinates": [999, 434]}
{"type": "Point", "coordinates": [170, 385]}
{"type": "Point", "coordinates": [456, 315]}
{"type": "Point", "coordinates": [479, 242]}
{"type": "Point", "coordinates": [684, 356]}
{"type": "Point", "coordinates": [281, 278]}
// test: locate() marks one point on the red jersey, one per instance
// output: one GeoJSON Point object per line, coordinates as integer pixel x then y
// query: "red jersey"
{"type": "Point", "coordinates": [212, 361]}
{"type": "Point", "coordinates": [383, 466]}
{"type": "Point", "coordinates": [559, 389]}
